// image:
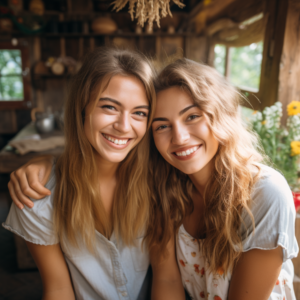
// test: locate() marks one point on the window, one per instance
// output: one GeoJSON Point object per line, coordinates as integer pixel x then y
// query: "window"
{"type": "Point", "coordinates": [14, 77]}
{"type": "Point", "coordinates": [241, 65]}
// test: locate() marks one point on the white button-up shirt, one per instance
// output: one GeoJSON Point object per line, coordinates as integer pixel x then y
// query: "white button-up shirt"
{"type": "Point", "coordinates": [113, 271]}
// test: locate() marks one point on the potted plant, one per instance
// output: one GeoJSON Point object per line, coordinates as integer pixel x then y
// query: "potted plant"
{"type": "Point", "coordinates": [281, 144]}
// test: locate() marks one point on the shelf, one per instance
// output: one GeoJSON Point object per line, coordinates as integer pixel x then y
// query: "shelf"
{"type": "Point", "coordinates": [89, 35]}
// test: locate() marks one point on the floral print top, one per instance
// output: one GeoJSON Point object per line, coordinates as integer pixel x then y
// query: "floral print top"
{"type": "Point", "coordinates": [201, 284]}
{"type": "Point", "coordinates": [273, 209]}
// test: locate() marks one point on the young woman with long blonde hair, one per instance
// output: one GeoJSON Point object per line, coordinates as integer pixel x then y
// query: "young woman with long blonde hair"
{"type": "Point", "coordinates": [93, 222]}
{"type": "Point", "coordinates": [233, 216]}
{"type": "Point", "coordinates": [236, 233]}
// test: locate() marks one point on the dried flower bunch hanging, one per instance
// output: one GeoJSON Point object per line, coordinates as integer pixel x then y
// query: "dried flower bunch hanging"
{"type": "Point", "coordinates": [147, 10]}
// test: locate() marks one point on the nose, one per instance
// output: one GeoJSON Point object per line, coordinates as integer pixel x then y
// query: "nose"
{"type": "Point", "coordinates": [123, 124]}
{"type": "Point", "coordinates": [180, 135]}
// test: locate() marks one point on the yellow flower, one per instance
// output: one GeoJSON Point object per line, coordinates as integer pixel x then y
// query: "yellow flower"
{"type": "Point", "coordinates": [254, 112]}
{"type": "Point", "coordinates": [293, 108]}
{"type": "Point", "coordinates": [264, 122]}
{"type": "Point", "coordinates": [295, 148]}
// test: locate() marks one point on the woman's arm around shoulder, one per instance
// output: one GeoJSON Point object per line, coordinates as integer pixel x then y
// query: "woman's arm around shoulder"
{"type": "Point", "coordinates": [29, 180]}
{"type": "Point", "coordinates": [255, 274]}
{"type": "Point", "coordinates": [54, 271]}
{"type": "Point", "coordinates": [166, 282]}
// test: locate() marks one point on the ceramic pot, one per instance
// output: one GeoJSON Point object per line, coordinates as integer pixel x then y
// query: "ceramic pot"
{"type": "Point", "coordinates": [44, 121]}
{"type": "Point", "coordinates": [104, 25]}
{"type": "Point", "coordinates": [37, 7]}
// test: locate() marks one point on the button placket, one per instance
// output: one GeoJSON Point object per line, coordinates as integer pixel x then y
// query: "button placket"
{"type": "Point", "coordinates": [119, 276]}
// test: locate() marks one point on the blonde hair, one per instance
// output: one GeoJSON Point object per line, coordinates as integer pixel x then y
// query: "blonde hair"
{"type": "Point", "coordinates": [228, 192]}
{"type": "Point", "coordinates": [78, 208]}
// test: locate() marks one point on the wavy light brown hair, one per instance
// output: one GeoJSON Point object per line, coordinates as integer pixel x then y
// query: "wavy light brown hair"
{"type": "Point", "coordinates": [227, 194]}
{"type": "Point", "coordinates": [78, 209]}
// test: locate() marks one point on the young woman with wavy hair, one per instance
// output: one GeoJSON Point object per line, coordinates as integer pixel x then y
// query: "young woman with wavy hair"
{"type": "Point", "coordinates": [233, 216]}
{"type": "Point", "coordinates": [92, 223]}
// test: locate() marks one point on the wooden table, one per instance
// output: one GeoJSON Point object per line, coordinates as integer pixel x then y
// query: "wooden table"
{"type": "Point", "coordinates": [10, 161]}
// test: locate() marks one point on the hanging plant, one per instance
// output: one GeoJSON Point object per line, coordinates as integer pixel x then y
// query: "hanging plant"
{"type": "Point", "coordinates": [147, 10]}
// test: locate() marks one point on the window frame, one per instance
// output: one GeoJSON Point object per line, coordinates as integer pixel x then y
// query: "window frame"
{"type": "Point", "coordinates": [26, 103]}
{"type": "Point", "coordinates": [251, 95]}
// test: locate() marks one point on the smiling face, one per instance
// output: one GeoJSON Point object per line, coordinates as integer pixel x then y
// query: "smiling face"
{"type": "Point", "coordinates": [181, 133]}
{"type": "Point", "coordinates": [119, 120]}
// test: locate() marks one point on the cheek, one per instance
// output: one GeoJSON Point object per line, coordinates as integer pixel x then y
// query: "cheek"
{"type": "Point", "coordinates": [160, 143]}
{"type": "Point", "coordinates": [141, 129]}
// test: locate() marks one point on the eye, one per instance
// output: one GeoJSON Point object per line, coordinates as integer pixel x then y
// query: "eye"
{"type": "Point", "coordinates": [161, 127]}
{"type": "Point", "coordinates": [110, 107]}
{"type": "Point", "coordinates": [192, 117]}
{"type": "Point", "coordinates": [140, 113]}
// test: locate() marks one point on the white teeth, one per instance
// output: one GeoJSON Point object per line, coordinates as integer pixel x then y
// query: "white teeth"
{"type": "Point", "coordinates": [115, 141]}
{"type": "Point", "coordinates": [187, 152]}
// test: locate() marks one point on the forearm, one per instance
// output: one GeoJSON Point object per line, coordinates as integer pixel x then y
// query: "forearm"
{"type": "Point", "coordinates": [65, 293]}
{"type": "Point", "coordinates": [166, 289]}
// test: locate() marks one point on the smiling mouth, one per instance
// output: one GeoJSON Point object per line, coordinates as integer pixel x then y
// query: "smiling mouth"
{"type": "Point", "coordinates": [187, 152]}
{"type": "Point", "coordinates": [116, 141]}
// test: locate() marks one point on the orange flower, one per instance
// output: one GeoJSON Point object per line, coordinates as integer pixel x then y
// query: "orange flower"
{"type": "Point", "coordinates": [220, 271]}
{"type": "Point", "coordinates": [182, 262]}
{"type": "Point", "coordinates": [196, 268]}
{"type": "Point", "coordinates": [193, 254]}
{"type": "Point", "coordinates": [217, 298]}
{"type": "Point", "coordinates": [202, 295]}
{"type": "Point", "coordinates": [277, 282]}
{"type": "Point", "coordinates": [202, 272]}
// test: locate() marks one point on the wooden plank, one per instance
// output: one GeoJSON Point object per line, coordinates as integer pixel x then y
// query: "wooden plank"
{"type": "Point", "coordinates": [239, 11]}
{"type": "Point", "coordinates": [196, 48]}
{"type": "Point", "coordinates": [273, 45]}
{"type": "Point", "coordinates": [227, 62]}
{"type": "Point", "coordinates": [289, 77]}
{"type": "Point", "coordinates": [210, 52]}
{"type": "Point", "coordinates": [37, 57]}
{"type": "Point", "coordinates": [8, 122]}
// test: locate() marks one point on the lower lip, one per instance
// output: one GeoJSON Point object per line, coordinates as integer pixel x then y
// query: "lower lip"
{"type": "Point", "coordinates": [188, 156]}
{"type": "Point", "coordinates": [115, 145]}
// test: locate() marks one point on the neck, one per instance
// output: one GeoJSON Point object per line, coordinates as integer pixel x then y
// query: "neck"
{"type": "Point", "coordinates": [106, 170]}
{"type": "Point", "coordinates": [201, 178]}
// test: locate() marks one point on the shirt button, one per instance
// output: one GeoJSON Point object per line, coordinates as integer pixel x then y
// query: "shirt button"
{"type": "Point", "coordinates": [124, 294]}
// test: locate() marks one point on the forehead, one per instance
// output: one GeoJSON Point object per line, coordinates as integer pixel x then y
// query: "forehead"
{"type": "Point", "coordinates": [125, 89]}
{"type": "Point", "coordinates": [173, 99]}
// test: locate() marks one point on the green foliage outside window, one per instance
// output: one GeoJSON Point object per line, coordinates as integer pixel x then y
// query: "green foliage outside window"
{"type": "Point", "coordinates": [244, 66]}
{"type": "Point", "coordinates": [219, 62]}
{"type": "Point", "coordinates": [11, 81]}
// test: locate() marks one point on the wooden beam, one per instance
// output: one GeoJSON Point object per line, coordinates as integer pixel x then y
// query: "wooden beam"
{"type": "Point", "coordinates": [289, 76]}
{"type": "Point", "coordinates": [273, 45]}
{"type": "Point", "coordinates": [37, 57]}
{"type": "Point", "coordinates": [227, 62]}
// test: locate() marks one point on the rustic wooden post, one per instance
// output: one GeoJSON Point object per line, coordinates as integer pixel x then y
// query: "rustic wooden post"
{"type": "Point", "coordinates": [276, 10]}
{"type": "Point", "coordinates": [289, 76]}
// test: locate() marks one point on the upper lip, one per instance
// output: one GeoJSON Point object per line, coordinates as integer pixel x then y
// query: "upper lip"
{"type": "Point", "coordinates": [185, 148]}
{"type": "Point", "coordinates": [117, 137]}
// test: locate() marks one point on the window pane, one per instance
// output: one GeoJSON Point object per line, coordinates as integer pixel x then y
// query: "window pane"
{"type": "Point", "coordinates": [10, 62]}
{"type": "Point", "coordinates": [245, 66]}
{"type": "Point", "coordinates": [219, 62]}
{"type": "Point", "coordinates": [11, 88]}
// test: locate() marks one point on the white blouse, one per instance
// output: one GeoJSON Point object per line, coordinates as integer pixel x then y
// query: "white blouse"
{"type": "Point", "coordinates": [114, 271]}
{"type": "Point", "coordinates": [274, 214]}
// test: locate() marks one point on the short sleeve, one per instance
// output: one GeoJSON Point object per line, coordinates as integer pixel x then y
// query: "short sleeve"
{"type": "Point", "coordinates": [274, 216]}
{"type": "Point", "coordinates": [35, 224]}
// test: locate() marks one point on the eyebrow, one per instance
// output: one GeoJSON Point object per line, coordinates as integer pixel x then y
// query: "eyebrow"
{"type": "Point", "coordinates": [180, 113]}
{"type": "Point", "coordinates": [120, 104]}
